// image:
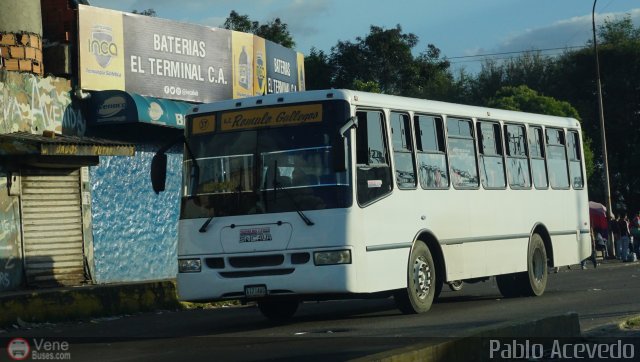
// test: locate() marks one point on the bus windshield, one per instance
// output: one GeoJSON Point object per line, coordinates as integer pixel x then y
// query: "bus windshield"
{"type": "Point", "coordinates": [267, 170]}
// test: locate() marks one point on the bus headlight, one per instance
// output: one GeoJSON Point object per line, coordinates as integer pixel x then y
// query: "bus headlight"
{"type": "Point", "coordinates": [332, 257]}
{"type": "Point", "coordinates": [189, 265]}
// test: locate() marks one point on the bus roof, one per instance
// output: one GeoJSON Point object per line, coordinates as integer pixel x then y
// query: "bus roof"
{"type": "Point", "coordinates": [365, 99]}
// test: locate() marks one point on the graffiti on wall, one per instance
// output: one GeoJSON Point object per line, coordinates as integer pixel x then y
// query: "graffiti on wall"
{"type": "Point", "coordinates": [33, 104]}
{"type": "Point", "coordinates": [10, 265]}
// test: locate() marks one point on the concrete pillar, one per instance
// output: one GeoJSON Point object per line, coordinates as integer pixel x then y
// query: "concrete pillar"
{"type": "Point", "coordinates": [17, 16]}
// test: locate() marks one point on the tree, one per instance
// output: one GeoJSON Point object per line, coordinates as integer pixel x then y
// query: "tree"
{"type": "Point", "coordinates": [370, 86]}
{"type": "Point", "coordinates": [274, 30]}
{"type": "Point", "coordinates": [531, 68]}
{"type": "Point", "coordinates": [147, 12]}
{"type": "Point", "coordinates": [619, 57]}
{"type": "Point", "coordinates": [572, 77]}
{"type": "Point", "coordinates": [318, 70]}
{"type": "Point", "coordinates": [523, 98]}
{"type": "Point", "coordinates": [239, 22]}
{"type": "Point", "coordinates": [384, 59]}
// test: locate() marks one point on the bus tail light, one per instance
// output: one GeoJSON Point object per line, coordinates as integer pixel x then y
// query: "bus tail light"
{"type": "Point", "coordinates": [332, 257]}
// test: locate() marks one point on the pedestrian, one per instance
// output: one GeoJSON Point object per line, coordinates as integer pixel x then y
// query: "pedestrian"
{"type": "Point", "coordinates": [614, 231]}
{"type": "Point", "coordinates": [601, 243]}
{"type": "Point", "coordinates": [623, 244]}
{"type": "Point", "coordinates": [634, 228]}
{"type": "Point", "coordinates": [583, 263]}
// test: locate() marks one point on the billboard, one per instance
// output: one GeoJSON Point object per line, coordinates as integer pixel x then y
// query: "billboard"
{"type": "Point", "coordinates": [173, 60]}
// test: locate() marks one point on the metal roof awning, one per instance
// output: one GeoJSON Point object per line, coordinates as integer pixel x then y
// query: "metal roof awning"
{"type": "Point", "coordinates": [56, 145]}
{"type": "Point", "coordinates": [111, 107]}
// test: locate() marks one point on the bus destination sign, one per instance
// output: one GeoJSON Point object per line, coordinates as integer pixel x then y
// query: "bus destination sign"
{"type": "Point", "coordinates": [271, 117]}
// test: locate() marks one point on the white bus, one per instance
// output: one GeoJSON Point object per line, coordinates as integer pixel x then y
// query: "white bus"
{"type": "Point", "coordinates": [336, 193]}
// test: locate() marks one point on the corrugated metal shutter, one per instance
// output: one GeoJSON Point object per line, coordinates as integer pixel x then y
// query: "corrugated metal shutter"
{"type": "Point", "coordinates": [52, 227]}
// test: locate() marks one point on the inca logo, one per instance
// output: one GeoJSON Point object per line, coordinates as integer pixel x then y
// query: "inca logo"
{"type": "Point", "coordinates": [101, 45]}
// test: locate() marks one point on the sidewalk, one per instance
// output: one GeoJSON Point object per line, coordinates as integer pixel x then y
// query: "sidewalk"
{"type": "Point", "coordinates": [69, 303]}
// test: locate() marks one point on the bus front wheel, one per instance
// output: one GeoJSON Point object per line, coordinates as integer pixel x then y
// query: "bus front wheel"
{"type": "Point", "coordinates": [422, 282]}
{"type": "Point", "coordinates": [278, 310]}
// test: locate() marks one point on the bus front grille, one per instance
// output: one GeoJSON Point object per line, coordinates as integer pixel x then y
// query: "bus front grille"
{"type": "Point", "coordinates": [256, 261]}
{"type": "Point", "coordinates": [256, 273]}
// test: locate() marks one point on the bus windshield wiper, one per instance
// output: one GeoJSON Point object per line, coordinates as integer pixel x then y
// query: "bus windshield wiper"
{"type": "Point", "coordinates": [305, 218]}
{"type": "Point", "coordinates": [237, 191]}
{"type": "Point", "coordinates": [203, 228]}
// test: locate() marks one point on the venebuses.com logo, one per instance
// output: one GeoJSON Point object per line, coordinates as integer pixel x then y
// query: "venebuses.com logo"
{"type": "Point", "coordinates": [20, 349]}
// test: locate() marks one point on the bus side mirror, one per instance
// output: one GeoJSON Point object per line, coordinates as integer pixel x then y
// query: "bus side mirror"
{"type": "Point", "coordinates": [159, 172]}
{"type": "Point", "coordinates": [340, 147]}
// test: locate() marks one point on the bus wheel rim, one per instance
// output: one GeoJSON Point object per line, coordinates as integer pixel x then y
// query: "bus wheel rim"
{"type": "Point", "coordinates": [421, 277]}
{"type": "Point", "coordinates": [538, 265]}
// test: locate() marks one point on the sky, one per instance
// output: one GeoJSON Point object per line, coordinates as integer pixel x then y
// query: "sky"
{"type": "Point", "coordinates": [460, 28]}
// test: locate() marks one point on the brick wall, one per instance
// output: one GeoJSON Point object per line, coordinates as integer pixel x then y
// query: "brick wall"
{"type": "Point", "coordinates": [21, 52]}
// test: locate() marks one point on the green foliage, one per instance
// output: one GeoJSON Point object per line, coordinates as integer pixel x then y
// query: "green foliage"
{"type": "Point", "coordinates": [369, 86]}
{"type": "Point", "coordinates": [240, 23]}
{"type": "Point", "coordinates": [147, 12]}
{"type": "Point", "coordinates": [523, 98]}
{"type": "Point", "coordinates": [274, 30]}
{"type": "Point", "coordinates": [382, 61]}
{"type": "Point", "coordinates": [618, 31]}
{"type": "Point", "coordinates": [318, 70]}
{"type": "Point", "coordinates": [531, 68]}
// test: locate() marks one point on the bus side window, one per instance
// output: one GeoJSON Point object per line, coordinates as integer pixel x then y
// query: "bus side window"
{"type": "Point", "coordinates": [557, 159]}
{"type": "Point", "coordinates": [575, 158]}
{"type": "Point", "coordinates": [402, 143]}
{"type": "Point", "coordinates": [491, 161]}
{"type": "Point", "coordinates": [462, 153]}
{"type": "Point", "coordinates": [373, 171]}
{"type": "Point", "coordinates": [432, 160]}
{"type": "Point", "coordinates": [517, 162]}
{"type": "Point", "coordinates": [537, 154]}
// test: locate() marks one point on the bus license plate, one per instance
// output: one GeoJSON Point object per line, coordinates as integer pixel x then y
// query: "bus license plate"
{"type": "Point", "coordinates": [255, 291]}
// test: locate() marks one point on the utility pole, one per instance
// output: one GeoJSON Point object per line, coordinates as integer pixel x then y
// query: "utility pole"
{"type": "Point", "coordinates": [607, 191]}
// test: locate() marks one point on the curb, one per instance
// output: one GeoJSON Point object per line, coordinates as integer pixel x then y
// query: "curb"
{"type": "Point", "coordinates": [65, 304]}
{"type": "Point", "coordinates": [475, 346]}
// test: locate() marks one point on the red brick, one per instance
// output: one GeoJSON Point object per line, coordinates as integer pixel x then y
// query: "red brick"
{"type": "Point", "coordinates": [11, 64]}
{"type": "Point", "coordinates": [34, 41]}
{"type": "Point", "coordinates": [4, 52]}
{"type": "Point", "coordinates": [26, 65]}
{"type": "Point", "coordinates": [24, 39]}
{"type": "Point", "coordinates": [39, 55]}
{"type": "Point", "coordinates": [17, 52]}
{"type": "Point", "coordinates": [30, 53]}
{"type": "Point", "coordinates": [38, 68]}
{"type": "Point", "coordinates": [7, 39]}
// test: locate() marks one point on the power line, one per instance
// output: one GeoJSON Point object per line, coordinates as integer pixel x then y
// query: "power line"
{"type": "Point", "coordinates": [515, 52]}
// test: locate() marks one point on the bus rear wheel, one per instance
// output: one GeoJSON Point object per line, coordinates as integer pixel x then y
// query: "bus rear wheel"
{"type": "Point", "coordinates": [531, 283]}
{"type": "Point", "coordinates": [537, 269]}
{"type": "Point", "coordinates": [278, 310]}
{"type": "Point", "coordinates": [422, 282]}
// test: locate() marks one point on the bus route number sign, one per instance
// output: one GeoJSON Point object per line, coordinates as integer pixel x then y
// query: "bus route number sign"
{"type": "Point", "coordinates": [255, 291]}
